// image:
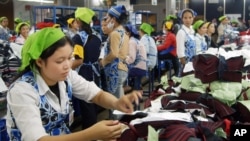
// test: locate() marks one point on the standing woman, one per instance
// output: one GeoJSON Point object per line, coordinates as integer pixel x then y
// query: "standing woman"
{"type": "Point", "coordinates": [115, 67]}
{"type": "Point", "coordinates": [185, 37]}
{"type": "Point", "coordinates": [222, 28]}
{"type": "Point", "coordinates": [200, 32]}
{"type": "Point", "coordinates": [72, 27]}
{"type": "Point", "coordinates": [22, 30]}
{"type": "Point", "coordinates": [39, 101]}
{"type": "Point", "coordinates": [87, 47]}
{"type": "Point", "coordinates": [4, 30]}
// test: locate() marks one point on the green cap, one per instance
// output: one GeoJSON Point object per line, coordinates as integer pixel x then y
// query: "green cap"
{"type": "Point", "coordinates": [222, 18]}
{"type": "Point", "coordinates": [171, 17]}
{"type": "Point", "coordinates": [198, 24]}
{"type": "Point", "coordinates": [18, 20]}
{"type": "Point", "coordinates": [37, 43]}
{"type": "Point", "coordinates": [1, 19]}
{"type": "Point", "coordinates": [147, 28]}
{"type": "Point", "coordinates": [84, 14]}
{"type": "Point", "coordinates": [18, 27]}
{"type": "Point", "coordinates": [234, 21]}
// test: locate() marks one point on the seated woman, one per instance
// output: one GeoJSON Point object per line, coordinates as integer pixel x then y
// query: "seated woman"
{"type": "Point", "coordinates": [167, 50]}
{"type": "Point", "coordinates": [136, 59]}
{"type": "Point", "coordinates": [200, 30]}
{"type": "Point", "coordinates": [22, 30]}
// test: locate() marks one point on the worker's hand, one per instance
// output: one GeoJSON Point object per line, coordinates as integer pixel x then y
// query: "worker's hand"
{"type": "Point", "coordinates": [107, 130]}
{"type": "Point", "coordinates": [125, 103]}
{"type": "Point", "coordinates": [183, 61]}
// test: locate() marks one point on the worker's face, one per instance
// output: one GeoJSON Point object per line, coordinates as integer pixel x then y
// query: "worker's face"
{"type": "Point", "coordinates": [75, 25]}
{"type": "Point", "coordinates": [57, 66]}
{"type": "Point", "coordinates": [202, 30]}
{"type": "Point", "coordinates": [187, 18]}
{"type": "Point", "coordinates": [24, 31]}
{"type": "Point", "coordinates": [104, 24]}
{"type": "Point", "coordinates": [5, 22]}
{"type": "Point", "coordinates": [211, 28]}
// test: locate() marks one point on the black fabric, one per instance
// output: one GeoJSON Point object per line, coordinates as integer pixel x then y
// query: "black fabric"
{"type": "Point", "coordinates": [9, 63]}
{"type": "Point", "coordinates": [89, 70]}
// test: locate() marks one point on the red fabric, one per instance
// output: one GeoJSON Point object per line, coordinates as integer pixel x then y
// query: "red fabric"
{"type": "Point", "coordinates": [170, 40]}
{"type": "Point", "coordinates": [42, 25]}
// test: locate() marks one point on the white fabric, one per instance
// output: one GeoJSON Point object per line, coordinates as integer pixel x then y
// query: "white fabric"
{"type": "Point", "coordinates": [24, 102]}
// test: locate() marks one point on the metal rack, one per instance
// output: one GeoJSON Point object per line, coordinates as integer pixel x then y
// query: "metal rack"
{"type": "Point", "coordinates": [50, 13]}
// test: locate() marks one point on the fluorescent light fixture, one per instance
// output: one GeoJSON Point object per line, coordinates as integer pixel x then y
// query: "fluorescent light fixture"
{"type": "Point", "coordinates": [41, 1]}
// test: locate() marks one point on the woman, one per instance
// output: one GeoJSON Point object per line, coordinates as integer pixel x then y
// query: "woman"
{"type": "Point", "coordinates": [222, 28]}
{"type": "Point", "coordinates": [210, 35]}
{"type": "Point", "coordinates": [86, 52]}
{"type": "Point", "coordinates": [22, 30]}
{"type": "Point", "coordinates": [185, 37]}
{"type": "Point", "coordinates": [4, 30]}
{"type": "Point", "coordinates": [149, 44]}
{"type": "Point", "coordinates": [167, 50]}
{"type": "Point", "coordinates": [136, 59]}
{"type": "Point", "coordinates": [115, 67]}
{"type": "Point", "coordinates": [39, 102]}
{"type": "Point", "coordinates": [200, 32]}
{"type": "Point", "coordinates": [72, 27]}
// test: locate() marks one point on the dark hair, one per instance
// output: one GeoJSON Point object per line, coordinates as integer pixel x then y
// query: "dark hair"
{"type": "Point", "coordinates": [48, 52]}
{"type": "Point", "coordinates": [86, 27]}
{"type": "Point", "coordinates": [122, 19]}
{"type": "Point", "coordinates": [187, 10]}
{"type": "Point", "coordinates": [22, 25]}
{"type": "Point", "coordinates": [196, 30]}
{"type": "Point", "coordinates": [131, 33]}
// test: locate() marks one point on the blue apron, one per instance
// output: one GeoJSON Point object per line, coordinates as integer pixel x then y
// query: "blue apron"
{"type": "Point", "coordinates": [111, 69]}
{"type": "Point", "coordinates": [190, 47]}
{"type": "Point", "coordinates": [55, 123]}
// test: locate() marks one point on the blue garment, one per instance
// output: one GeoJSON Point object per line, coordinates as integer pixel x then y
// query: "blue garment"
{"type": "Point", "coordinates": [111, 69]}
{"type": "Point", "coordinates": [190, 47]}
{"type": "Point", "coordinates": [55, 123]}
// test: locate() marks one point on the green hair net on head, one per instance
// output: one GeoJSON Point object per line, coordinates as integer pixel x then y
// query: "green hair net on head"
{"type": "Point", "coordinates": [18, 20]}
{"type": "Point", "coordinates": [1, 19]}
{"type": "Point", "coordinates": [170, 17]}
{"type": "Point", "coordinates": [84, 14]}
{"type": "Point", "coordinates": [37, 43]}
{"type": "Point", "coordinates": [222, 18]}
{"type": "Point", "coordinates": [147, 28]}
{"type": "Point", "coordinates": [198, 24]}
{"type": "Point", "coordinates": [18, 27]}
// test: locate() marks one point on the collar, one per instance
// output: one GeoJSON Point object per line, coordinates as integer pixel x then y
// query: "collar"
{"type": "Point", "coordinates": [43, 87]}
{"type": "Point", "coordinates": [189, 30]}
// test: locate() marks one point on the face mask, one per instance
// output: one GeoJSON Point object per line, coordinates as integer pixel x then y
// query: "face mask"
{"type": "Point", "coordinates": [110, 25]}
{"type": "Point", "coordinates": [91, 24]}
{"type": "Point", "coordinates": [164, 31]}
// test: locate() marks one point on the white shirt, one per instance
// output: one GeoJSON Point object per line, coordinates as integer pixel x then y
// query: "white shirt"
{"type": "Point", "coordinates": [23, 101]}
{"type": "Point", "coordinates": [181, 39]}
{"type": "Point", "coordinates": [151, 48]}
{"type": "Point", "coordinates": [198, 41]}
{"type": "Point", "coordinates": [20, 40]}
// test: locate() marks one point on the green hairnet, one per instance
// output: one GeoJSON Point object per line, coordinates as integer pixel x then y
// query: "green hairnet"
{"type": "Point", "coordinates": [18, 27]}
{"type": "Point", "coordinates": [198, 24]}
{"type": "Point", "coordinates": [1, 19]}
{"type": "Point", "coordinates": [37, 43]}
{"type": "Point", "coordinates": [84, 14]}
{"type": "Point", "coordinates": [171, 17]}
{"type": "Point", "coordinates": [18, 20]}
{"type": "Point", "coordinates": [147, 28]}
{"type": "Point", "coordinates": [222, 18]}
